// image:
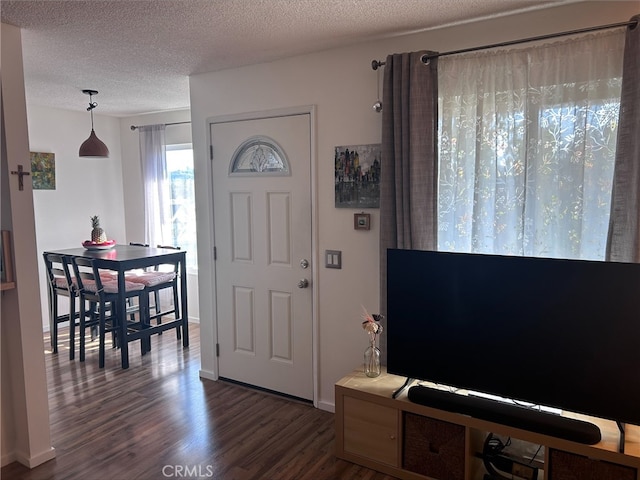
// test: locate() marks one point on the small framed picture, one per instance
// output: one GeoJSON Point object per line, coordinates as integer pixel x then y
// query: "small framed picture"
{"type": "Point", "coordinates": [6, 260]}
{"type": "Point", "coordinates": [361, 221]}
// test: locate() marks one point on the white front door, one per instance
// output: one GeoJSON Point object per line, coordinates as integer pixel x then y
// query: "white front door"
{"type": "Point", "coordinates": [263, 268]}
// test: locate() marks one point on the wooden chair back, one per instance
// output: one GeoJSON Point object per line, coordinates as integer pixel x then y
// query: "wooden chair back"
{"type": "Point", "coordinates": [58, 273]}
{"type": "Point", "coordinates": [136, 244]}
{"type": "Point", "coordinates": [87, 275]}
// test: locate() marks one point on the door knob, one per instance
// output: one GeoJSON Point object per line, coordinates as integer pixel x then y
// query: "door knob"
{"type": "Point", "coordinates": [304, 283]}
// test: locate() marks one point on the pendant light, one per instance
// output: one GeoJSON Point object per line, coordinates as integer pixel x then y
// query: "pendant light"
{"type": "Point", "coordinates": [93, 146]}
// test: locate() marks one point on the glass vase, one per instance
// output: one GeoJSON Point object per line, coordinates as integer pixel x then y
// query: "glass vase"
{"type": "Point", "coordinates": [372, 360]}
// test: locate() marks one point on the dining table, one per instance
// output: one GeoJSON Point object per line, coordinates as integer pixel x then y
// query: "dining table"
{"type": "Point", "coordinates": [124, 258]}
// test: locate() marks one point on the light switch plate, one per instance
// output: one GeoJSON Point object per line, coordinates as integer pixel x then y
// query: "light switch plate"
{"type": "Point", "coordinates": [333, 258]}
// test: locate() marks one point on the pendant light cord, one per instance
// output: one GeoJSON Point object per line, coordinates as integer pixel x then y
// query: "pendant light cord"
{"type": "Point", "coordinates": [91, 106]}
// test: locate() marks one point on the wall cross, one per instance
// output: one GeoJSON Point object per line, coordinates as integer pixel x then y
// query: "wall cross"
{"type": "Point", "coordinates": [21, 173]}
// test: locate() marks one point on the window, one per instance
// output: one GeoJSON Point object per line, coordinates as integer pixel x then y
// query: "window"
{"type": "Point", "coordinates": [527, 143]}
{"type": "Point", "coordinates": [259, 155]}
{"type": "Point", "coordinates": [183, 210]}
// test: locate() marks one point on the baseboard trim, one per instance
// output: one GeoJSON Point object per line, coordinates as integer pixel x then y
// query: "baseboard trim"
{"type": "Point", "coordinates": [34, 460]}
{"type": "Point", "coordinates": [327, 407]}
{"type": "Point", "coordinates": [208, 375]}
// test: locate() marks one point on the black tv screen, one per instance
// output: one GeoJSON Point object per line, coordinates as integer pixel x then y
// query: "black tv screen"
{"type": "Point", "coordinates": [553, 332]}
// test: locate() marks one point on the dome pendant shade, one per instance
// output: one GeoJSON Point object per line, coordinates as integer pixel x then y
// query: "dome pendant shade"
{"type": "Point", "coordinates": [93, 147]}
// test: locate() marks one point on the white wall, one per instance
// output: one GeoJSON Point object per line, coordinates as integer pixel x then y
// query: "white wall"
{"type": "Point", "coordinates": [84, 186]}
{"type": "Point", "coordinates": [342, 85]}
{"type": "Point", "coordinates": [24, 410]}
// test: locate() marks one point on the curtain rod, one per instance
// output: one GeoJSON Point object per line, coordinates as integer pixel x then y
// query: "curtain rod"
{"type": "Point", "coordinates": [375, 64]}
{"type": "Point", "coordinates": [133, 127]}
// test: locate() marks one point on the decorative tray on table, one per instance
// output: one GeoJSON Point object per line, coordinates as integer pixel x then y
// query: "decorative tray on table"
{"type": "Point", "coordinates": [89, 245]}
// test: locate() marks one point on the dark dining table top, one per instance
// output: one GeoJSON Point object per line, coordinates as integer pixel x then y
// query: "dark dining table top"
{"type": "Point", "coordinates": [127, 256]}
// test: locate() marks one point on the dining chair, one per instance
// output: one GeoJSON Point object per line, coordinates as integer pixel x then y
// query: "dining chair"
{"type": "Point", "coordinates": [101, 294]}
{"type": "Point", "coordinates": [162, 277]}
{"type": "Point", "coordinates": [136, 244]}
{"type": "Point", "coordinates": [61, 284]}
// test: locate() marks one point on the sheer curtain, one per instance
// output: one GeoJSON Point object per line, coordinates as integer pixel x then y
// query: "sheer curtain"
{"type": "Point", "coordinates": [408, 180]}
{"type": "Point", "coordinates": [157, 194]}
{"type": "Point", "coordinates": [527, 148]}
{"type": "Point", "coordinates": [624, 229]}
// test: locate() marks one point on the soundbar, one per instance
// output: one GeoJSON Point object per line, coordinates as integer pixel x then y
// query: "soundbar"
{"type": "Point", "coordinates": [507, 414]}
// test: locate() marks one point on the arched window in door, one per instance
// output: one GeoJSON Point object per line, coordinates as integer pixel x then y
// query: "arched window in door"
{"type": "Point", "coordinates": [259, 155]}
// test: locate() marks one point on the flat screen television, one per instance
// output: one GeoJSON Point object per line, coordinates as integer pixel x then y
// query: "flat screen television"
{"type": "Point", "coordinates": [553, 332]}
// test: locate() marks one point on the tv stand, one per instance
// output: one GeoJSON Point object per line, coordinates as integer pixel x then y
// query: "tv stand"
{"type": "Point", "coordinates": [409, 440]}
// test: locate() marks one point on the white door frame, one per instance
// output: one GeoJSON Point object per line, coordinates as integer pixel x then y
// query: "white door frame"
{"type": "Point", "coordinates": [283, 112]}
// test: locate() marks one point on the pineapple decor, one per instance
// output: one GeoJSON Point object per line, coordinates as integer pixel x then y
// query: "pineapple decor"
{"type": "Point", "coordinates": [97, 233]}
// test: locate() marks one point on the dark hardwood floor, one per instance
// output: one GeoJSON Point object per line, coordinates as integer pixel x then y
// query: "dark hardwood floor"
{"type": "Point", "coordinates": [158, 420]}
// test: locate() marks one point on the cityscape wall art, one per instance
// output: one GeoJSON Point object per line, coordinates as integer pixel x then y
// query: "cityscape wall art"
{"type": "Point", "coordinates": [357, 176]}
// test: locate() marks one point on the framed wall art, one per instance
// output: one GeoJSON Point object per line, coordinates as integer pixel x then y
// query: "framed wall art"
{"type": "Point", "coordinates": [43, 171]}
{"type": "Point", "coordinates": [6, 260]}
{"type": "Point", "coordinates": [357, 176]}
{"type": "Point", "coordinates": [361, 221]}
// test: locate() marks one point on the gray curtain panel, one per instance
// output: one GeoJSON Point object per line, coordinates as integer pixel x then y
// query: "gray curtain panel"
{"type": "Point", "coordinates": [623, 241]}
{"type": "Point", "coordinates": [409, 163]}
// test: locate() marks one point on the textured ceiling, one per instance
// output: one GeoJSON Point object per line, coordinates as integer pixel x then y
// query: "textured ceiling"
{"type": "Point", "coordinates": [138, 54]}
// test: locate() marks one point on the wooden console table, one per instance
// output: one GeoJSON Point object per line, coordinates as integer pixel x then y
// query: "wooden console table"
{"type": "Point", "coordinates": [381, 433]}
